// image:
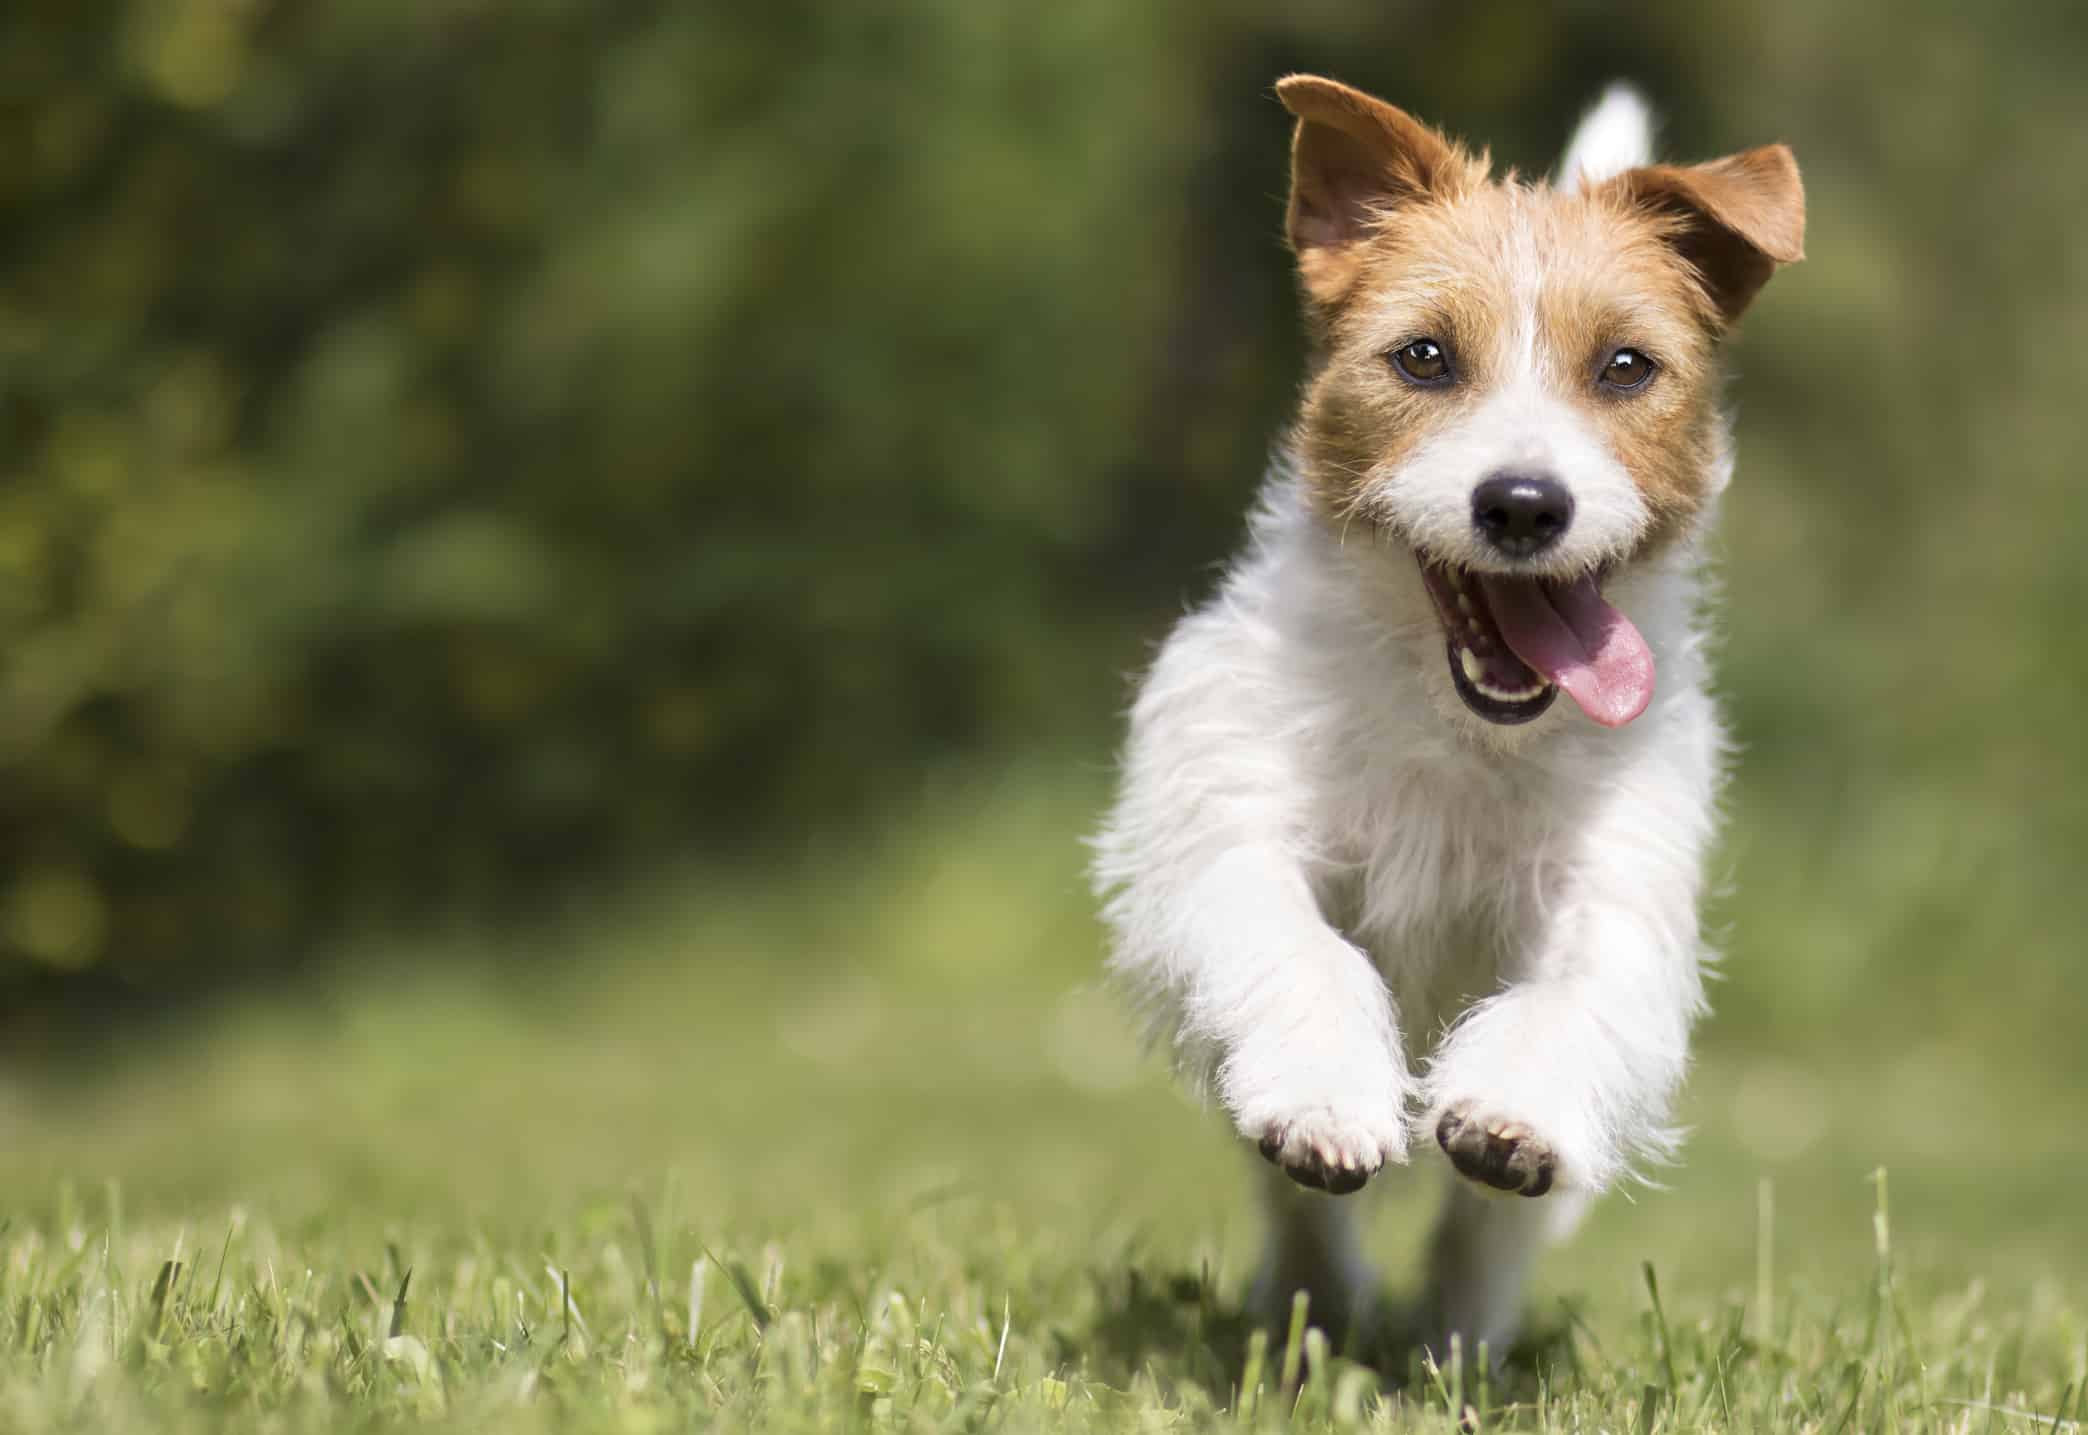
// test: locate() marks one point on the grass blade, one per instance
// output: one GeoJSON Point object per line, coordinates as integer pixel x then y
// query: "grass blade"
{"type": "Point", "coordinates": [1294, 1344]}
{"type": "Point", "coordinates": [1660, 1326]}
{"type": "Point", "coordinates": [398, 1314]}
{"type": "Point", "coordinates": [743, 1285]}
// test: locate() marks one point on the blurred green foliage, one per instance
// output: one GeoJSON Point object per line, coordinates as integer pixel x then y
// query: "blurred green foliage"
{"type": "Point", "coordinates": [449, 447]}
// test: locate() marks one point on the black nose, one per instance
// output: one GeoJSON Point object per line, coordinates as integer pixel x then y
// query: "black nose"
{"type": "Point", "coordinates": [1521, 514]}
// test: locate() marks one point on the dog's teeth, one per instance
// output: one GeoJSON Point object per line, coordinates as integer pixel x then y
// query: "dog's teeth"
{"type": "Point", "coordinates": [1501, 695]}
{"type": "Point", "coordinates": [1464, 604]}
{"type": "Point", "coordinates": [1471, 668]}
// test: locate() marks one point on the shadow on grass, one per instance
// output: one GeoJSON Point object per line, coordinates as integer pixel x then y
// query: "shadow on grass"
{"type": "Point", "coordinates": [1177, 1323]}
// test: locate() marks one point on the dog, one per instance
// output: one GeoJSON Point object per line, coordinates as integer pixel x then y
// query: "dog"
{"type": "Point", "coordinates": [1376, 885]}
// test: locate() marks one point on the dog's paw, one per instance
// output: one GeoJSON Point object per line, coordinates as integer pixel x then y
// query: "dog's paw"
{"type": "Point", "coordinates": [1496, 1150]}
{"type": "Point", "coordinates": [1321, 1149]}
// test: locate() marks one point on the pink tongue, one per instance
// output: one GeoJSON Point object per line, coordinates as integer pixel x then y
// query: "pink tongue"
{"type": "Point", "coordinates": [1574, 639]}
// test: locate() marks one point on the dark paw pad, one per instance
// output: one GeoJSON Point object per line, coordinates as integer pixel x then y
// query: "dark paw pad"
{"type": "Point", "coordinates": [1496, 1151]}
{"type": "Point", "coordinates": [1314, 1166]}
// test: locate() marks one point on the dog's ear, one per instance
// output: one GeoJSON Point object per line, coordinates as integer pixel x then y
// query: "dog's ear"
{"type": "Point", "coordinates": [1352, 158]}
{"type": "Point", "coordinates": [1735, 219]}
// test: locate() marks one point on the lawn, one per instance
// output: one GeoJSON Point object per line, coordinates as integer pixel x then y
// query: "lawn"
{"type": "Point", "coordinates": [853, 1143]}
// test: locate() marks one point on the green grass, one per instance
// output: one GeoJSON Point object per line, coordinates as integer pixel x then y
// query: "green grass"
{"type": "Point", "coordinates": [857, 1148]}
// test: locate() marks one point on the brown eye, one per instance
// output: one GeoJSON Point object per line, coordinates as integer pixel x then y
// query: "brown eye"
{"type": "Point", "coordinates": [1627, 369]}
{"type": "Point", "coordinates": [1423, 361]}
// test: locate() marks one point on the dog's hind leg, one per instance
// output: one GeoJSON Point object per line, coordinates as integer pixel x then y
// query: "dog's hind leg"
{"type": "Point", "coordinates": [1484, 1245]}
{"type": "Point", "coordinates": [1315, 1246]}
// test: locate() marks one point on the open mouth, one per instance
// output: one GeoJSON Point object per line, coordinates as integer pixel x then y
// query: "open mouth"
{"type": "Point", "coordinates": [1515, 642]}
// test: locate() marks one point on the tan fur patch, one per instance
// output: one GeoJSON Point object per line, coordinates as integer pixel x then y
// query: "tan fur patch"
{"type": "Point", "coordinates": [1613, 282]}
{"type": "Point", "coordinates": [1353, 157]}
{"type": "Point", "coordinates": [1401, 234]}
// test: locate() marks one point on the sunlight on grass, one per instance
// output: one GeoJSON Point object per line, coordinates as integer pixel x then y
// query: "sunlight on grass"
{"type": "Point", "coordinates": [882, 1134]}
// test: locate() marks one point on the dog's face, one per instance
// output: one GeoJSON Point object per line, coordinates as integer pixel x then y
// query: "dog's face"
{"type": "Point", "coordinates": [1518, 382]}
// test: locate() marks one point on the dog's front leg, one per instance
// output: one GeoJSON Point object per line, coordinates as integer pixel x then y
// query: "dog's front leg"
{"type": "Point", "coordinates": [1296, 1033]}
{"type": "Point", "coordinates": [1291, 1023]}
{"type": "Point", "coordinates": [1564, 1076]}
{"type": "Point", "coordinates": [1549, 1088]}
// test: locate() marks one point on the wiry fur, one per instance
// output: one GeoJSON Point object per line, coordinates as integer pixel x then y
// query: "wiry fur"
{"type": "Point", "coordinates": [1350, 906]}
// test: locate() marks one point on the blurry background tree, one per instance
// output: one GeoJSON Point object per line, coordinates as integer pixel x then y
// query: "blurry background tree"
{"type": "Point", "coordinates": [450, 450]}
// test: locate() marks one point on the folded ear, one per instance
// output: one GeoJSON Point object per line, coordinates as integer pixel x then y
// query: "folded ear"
{"type": "Point", "coordinates": [1352, 158]}
{"type": "Point", "coordinates": [1736, 218]}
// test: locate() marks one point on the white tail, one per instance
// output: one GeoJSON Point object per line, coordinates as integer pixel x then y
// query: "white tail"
{"type": "Point", "coordinates": [1615, 135]}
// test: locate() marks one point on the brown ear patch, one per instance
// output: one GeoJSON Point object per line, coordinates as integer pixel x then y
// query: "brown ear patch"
{"type": "Point", "coordinates": [1352, 158]}
{"type": "Point", "coordinates": [1736, 218]}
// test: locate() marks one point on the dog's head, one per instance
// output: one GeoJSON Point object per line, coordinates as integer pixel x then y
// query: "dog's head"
{"type": "Point", "coordinates": [1517, 381]}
